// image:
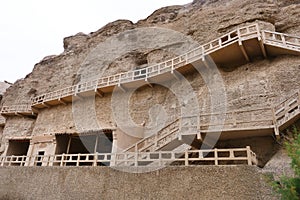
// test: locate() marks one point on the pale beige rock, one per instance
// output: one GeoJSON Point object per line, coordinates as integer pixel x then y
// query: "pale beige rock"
{"type": "Point", "coordinates": [257, 84]}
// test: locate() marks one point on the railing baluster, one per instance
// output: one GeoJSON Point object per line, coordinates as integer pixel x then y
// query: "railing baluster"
{"type": "Point", "coordinates": [249, 157]}
{"type": "Point", "coordinates": [216, 156]}
{"type": "Point", "coordinates": [129, 159]}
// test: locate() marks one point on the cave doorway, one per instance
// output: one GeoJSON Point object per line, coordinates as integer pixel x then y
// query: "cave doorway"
{"type": "Point", "coordinates": [96, 142]}
{"type": "Point", "coordinates": [18, 147]}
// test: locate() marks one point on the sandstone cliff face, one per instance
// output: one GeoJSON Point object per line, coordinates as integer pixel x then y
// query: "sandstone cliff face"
{"type": "Point", "coordinates": [256, 84]}
{"type": "Point", "coordinates": [3, 87]}
{"type": "Point", "coordinates": [202, 20]}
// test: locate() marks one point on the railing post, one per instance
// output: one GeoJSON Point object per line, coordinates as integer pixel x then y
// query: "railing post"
{"type": "Point", "coordinates": [239, 34]}
{"type": "Point", "coordinates": [135, 148]}
{"type": "Point", "coordinates": [231, 153]}
{"type": "Point", "coordinates": [158, 69]}
{"type": "Point", "coordinates": [186, 158]}
{"type": "Point", "coordinates": [159, 159]}
{"type": "Point", "coordinates": [216, 156]}
{"type": "Point", "coordinates": [172, 67]}
{"type": "Point", "coordinates": [62, 159]}
{"type": "Point", "coordinates": [49, 163]}
{"type": "Point", "coordinates": [9, 162]}
{"type": "Point", "coordinates": [34, 160]}
{"type": "Point", "coordinates": [146, 75]}
{"type": "Point", "coordinates": [263, 35]}
{"type": "Point", "coordinates": [276, 128]}
{"type": "Point", "coordinates": [249, 157]}
{"type": "Point", "coordinates": [220, 42]}
{"type": "Point", "coordinates": [95, 159]}
{"type": "Point", "coordinates": [283, 39]}
{"type": "Point", "coordinates": [258, 31]}
{"type": "Point", "coordinates": [78, 159]}
{"type": "Point", "coordinates": [136, 159]}
{"type": "Point", "coordinates": [247, 29]}
{"type": "Point", "coordinates": [114, 160]}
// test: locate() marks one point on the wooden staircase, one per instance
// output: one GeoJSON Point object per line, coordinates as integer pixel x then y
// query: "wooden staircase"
{"type": "Point", "coordinates": [236, 47]}
{"type": "Point", "coordinates": [170, 137]}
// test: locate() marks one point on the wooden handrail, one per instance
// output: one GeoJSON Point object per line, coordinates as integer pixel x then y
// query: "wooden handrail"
{"type": "Point", "coordinates": [251, 31]}
{"type": "Point", "coordinates": [146, 140]}
{"type": "Point", "coordinates": [150, 71]}
{"type": "Point", "coordinates": [16, 109]}
{"type": "Point", "coordinates": [136, 159]}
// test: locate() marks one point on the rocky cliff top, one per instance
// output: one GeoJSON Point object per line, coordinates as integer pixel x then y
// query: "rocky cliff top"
{"type": "Point", "coordinates": [4, 86]}
{"type": "Point", "coordinates": [201, 20]}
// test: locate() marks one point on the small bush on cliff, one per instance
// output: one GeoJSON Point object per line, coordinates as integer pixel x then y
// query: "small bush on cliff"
{"type": "Point", "coordinates": [289, 188]}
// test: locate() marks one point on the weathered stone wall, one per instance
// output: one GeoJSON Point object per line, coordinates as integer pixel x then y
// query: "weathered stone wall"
{"type": "Point", "coordinates": [200, 182]}
{"type": "Point", "coordinates": [264, 146]}
{"type": "Point", "coordinates": [1, 138]}
{"type": "Point", "coordinates": [254, 85]}
{"type": "Point", "coordinates": [197, 20]}
{"type": "Point", "coordinates": [18, 126]}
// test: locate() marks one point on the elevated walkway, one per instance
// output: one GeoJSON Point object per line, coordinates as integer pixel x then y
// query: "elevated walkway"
{"type": "Point", "coordinates": [239, 156]}
{"type": "Point", "coordinates": [235, 48]}
{"type": "Point", "coordinates": [287, 112]}
{"type": "Point", "coordinates": [20, 110]}
{"type": "Point", "coordinates": [237, 124]}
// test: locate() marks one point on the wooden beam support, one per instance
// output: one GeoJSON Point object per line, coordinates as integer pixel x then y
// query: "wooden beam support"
{"type": "Point", "coordinates": [19, 114]}
{"type": "Point", "coordinates": [122, 88]}
{"type": "Point", "coordinates": [99, 93]}
{"type": "Point", "coordinates": [69, 144]}
{"type": "Point", "coordinates": [263, 49]}
{"type": "Point", "coordinates": [62, 101]}
{"type": "Point", "coordinates": [148, 83]}
{"type": "Point", "coordinates": [176, 74]}
{"type": "Point", "coordinates": [78, 96]}
{"type": "Point", "coordinates": [276, 131]}
{"type": "Point", "coordinates": [199, 137]}
{"type": "Point", "coordinates": [96, 143]}
{"type": "Point", "coordinates": [46, 105]}
{"type": "Point", "coordinates": [244, 50]}
{"type": "Point", "coordinates": [35, 110]}
{"type": "Point", "coordinates": [205, 63]}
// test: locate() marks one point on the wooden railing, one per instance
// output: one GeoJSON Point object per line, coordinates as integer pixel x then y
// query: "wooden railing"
{"type": "Point", "coordinates": [21, 108]}
{"type": "Point", "coordinates": [237, 119]}
{"type": "Point", "coordinates": [191, 157]}
{"type": "Point", "coordinates": [154, 70]}
{"type": "Point", "coordinates": [287, 109]}
{"type": "Point", "coordinates": [240, 34]}
{"type": "Point", "coordinates": [194, 125]}
{"type": "Point", "coordinates": [152, 142]}
{"type": "Point", "coordinates": [282, 40]}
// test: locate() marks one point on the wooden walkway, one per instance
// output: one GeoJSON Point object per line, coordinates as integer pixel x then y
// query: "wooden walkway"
{"type": "Point", "coordinates": [21, 110]}
{"type": "Point", "coordinates": [238, 156]}
{"type": "Point", "coordinates": [238, 124]}
{"type": "Point", "coordinates": [237, 47]}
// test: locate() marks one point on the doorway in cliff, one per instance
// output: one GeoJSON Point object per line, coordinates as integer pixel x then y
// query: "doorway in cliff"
{"type": "Point", "coordinates": [87, 143]}
{"type": "Point", "coordinates": [18, 147]}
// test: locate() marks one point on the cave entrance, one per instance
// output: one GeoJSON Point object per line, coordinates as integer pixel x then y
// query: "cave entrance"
{"type": "Point", "coordinates": [100, 142]}
{"type": "Point", "coordinates": [18, 147]}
